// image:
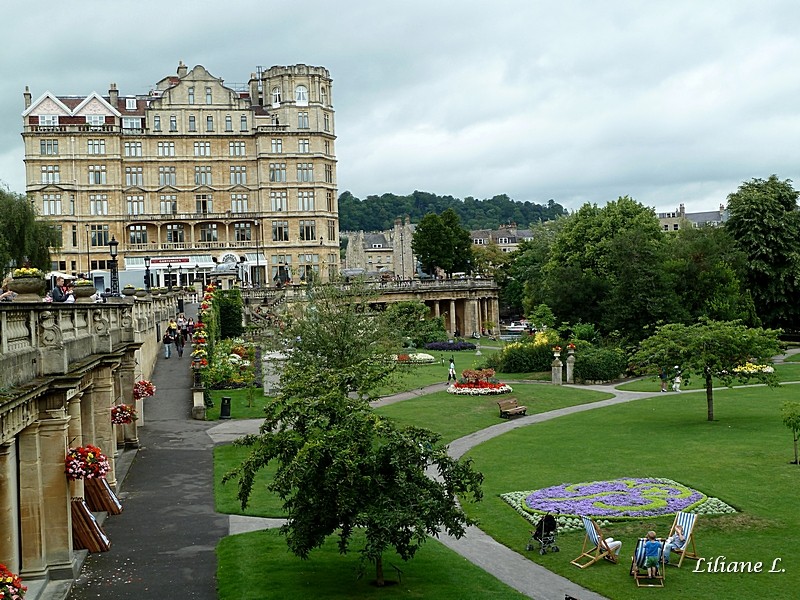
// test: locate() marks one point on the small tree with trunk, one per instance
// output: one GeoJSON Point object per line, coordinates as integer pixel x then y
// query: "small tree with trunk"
{"type": "Point", "coordinates": [791, 418]}
{"type": "Point", "coordinates": [727, 350]}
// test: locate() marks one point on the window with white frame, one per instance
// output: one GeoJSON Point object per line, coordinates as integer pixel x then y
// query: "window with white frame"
{"type": "Point", "coordinates": [236, 148]}
{"type": "Point", "coordinates": [242, 232]}
{"type": "Point", "coordinates": [303, 146]}
{"type": "Point", "coordinates": [156, 122]}
{"type": "Point", "coordinates": [192, 123]}
{"type": "Point", "coordinates": [48, 147]}
{"type": "Point", "coordinates": [308, 230]}
{"type": "Point", "coordinates": [50, 174]}
{"type": "Point", "coordinates": [130, 103]}
{"type": "Point", "coordinates": [134, 176]}
{"type": "Point", "coordinates": [166, 148]}
{"type": "Point", "coordinates": [95, 120]}
{"type": "Point", "coordinates": [243, 123]}
{"type": "Point", "coordinates": [97, 174]}
{"type": "Point", "coordinates": [96, 146]}
{"type": "Point", "coordinates": [203, 203]}
{"type": "Point", "coordinates": [277, 172]}
{"type": "Point", "coordinates": [175, 233]}
{"type": "Point", "coordinates": [308, 265]}
{"type": "Point", "coordinates": [301, 95]}
{"type": "Point", "coordinates": [98, 204]}
{"type": "Point", "coordinates": [208, 232]}
{"type": "Point", "coordinates": [209, 123]}
{"type": "Point", "coordinates": [277, 146]}
{"type": "Point", "coordinates": [305, 172]}
{"type": "Point", "coordinates": [202, 175]}
{"type": "Point", "coordinates": [202, 148]}
{"type": "Point", "coordinates": [168, 204]}
{"type": "Point", "coordinates": [228, 123]}
{"type": "Point", "coordinates": [280, 231]}
{"type": "Point", "coordinates": [305, 200]}
{"type": "Point", "coordinates": [276, 96]}
{"type": "Point", "coordinates": [502, 240]}
{"type": "Point", "coordinates": [135, 204]}
{"type": "Point", "coordinates": [167, 176]}
{"type": "Point", "coordinates": [132, 148]}
{"type": "Point", "coordinates": [377, 246]}
{"type": "Point", "coordinates": [51, 204]}
{"type": "Point", "coordinates": [99, 235]}
{"type": "Point", "coordinates": [281, 267]}
{"type": "Point", "coordinates": [48, 120]}
{"type": "Point", "coordinates": [302, 120]}
{"type": "Point", "coordinates": [323, 96]}
{"type": "Point", "coordinates": [327, 147]}
{"type": "Point", "coordinates": [329, 200]}
{"type": "Point", "coordinates": [131, 123]}
{"type": "Point", "coordinates": [479, 241]}
{"type": "Point", "coordinates": [238, 203]}
{"type": "Point", "coordinates": [209, 99]}
{"type": "Point", "coordinates": [326, 122]}
{"type": "Point", "coordinates": [173, 123]}
{"type": "Point", "coordinates": [329, 173]}
{"type": "Point", "coordinates": [238, 175]}
{"type": "Point", "coordinates": [138, 234]}
{"type": "Point", "coordinates": [190, 92]}
{"type": "Point", "coordinates": [277, 200]}
{"type": "Point", "coordinates": [331, 231]}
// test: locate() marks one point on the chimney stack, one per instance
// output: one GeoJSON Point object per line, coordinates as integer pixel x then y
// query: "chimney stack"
{"type": "Point", "coordinates": [27, 97]}
{"type": "Point", "coordinates": [682, 210]}
{"type": "Point", "coordinates": [182, 69]}
{"type": "Point", "coordinates": [113, 95]}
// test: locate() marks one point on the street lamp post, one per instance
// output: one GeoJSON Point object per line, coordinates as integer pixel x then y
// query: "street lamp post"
{"type": "Point", "coordinates": [169, 277]}
{"type": "Point", "coordinates": [196, 271]}
{"type": "Point", "coordinates": [112, 248]}
{"type": "Point", "coordinates": [180, 275]}
{"type": "Point", "coordinates": [147, 273]}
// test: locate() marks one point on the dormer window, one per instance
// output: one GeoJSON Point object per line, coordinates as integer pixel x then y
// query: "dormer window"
{"type": "Point", "coordinates": [377, 246]}
{"type": "Point", "coordinates": [130, 103]}
{"type": "Point", "coordinates": [48, 120]}
{"type": "Point", "coordinates": [301, 95]}
{"type": "Point", "coordinates": [276, 96]}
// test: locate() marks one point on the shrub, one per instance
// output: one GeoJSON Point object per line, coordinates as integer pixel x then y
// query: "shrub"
{"type": "Point", "coordinates": [450, 346]}
{"type": "Point", "coordinates": [599, 364]}
{"type": "Point", "coordinates": [525, 358]}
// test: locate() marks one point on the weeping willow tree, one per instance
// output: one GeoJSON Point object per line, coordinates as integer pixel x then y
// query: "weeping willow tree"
{"type": "Point", "coordinates": [24, 238]}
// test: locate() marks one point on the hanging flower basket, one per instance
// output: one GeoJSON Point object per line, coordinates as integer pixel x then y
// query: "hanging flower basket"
{"type": "Point", "coordinates": [143, 389]}
{"type": "Point", "coordinates": [85, 462]}
{"type": "Point", "coordinates": [11, 585]}
{"type": "Point", "coordinates": [123, 414]}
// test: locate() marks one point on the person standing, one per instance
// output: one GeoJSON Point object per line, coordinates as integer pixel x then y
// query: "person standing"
{"type": "Point", "coordinates": [168, 339]}
{"type": "Point", "coordinates": [676, 382]}
{"type": "Point", "coordinates": [59, 293]}
{"type": "Point", "coordinates": [179, 343]}
{"type": "Point", "coordinates": [451, 371]}
{"type": "Point", "coordinates": [663, 377]}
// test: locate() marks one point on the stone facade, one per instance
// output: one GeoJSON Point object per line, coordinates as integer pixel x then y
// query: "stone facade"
{"type": "Point", "coordinates": [507, 237]}
{"type": "Point", "coordinates": [382, 250]}
{"type": "Point", "coordinates": [673, 221]}
{"type": "Point", "coordinates": [62, 368]}
{"type": "Point", "coordinates": [193, 174]}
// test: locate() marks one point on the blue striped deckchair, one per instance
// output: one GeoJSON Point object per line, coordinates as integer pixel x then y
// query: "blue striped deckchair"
{"type": "Point", "coordinates": [594, 546]}
{"type": "Point", "coordinates": [637, 566]}
{"type": "Point", "coordinates": [687, 521]}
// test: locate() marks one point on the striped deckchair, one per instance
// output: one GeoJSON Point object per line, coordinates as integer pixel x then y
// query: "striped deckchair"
{"type": "Point", "coordinates": [638, 566]}
{"type": "Point", "coordinates": [595, 546]}
{"type": "Point", "coordinates": [687, 522]}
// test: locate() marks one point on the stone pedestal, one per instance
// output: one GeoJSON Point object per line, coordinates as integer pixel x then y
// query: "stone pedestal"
{"type": "Point", "coordinates": [556, 374]}
{"type": "Point", "coordinates": [571, 366]}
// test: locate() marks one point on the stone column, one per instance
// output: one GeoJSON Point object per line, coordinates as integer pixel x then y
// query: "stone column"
{"type": "Point", "coordinates": [452, 317]}
{"type": "Point", "coordinates": [436, 310]}
{"type": "Point", "coordinates": [477, 328]}
{"type": "Point", "coordinates": [57, 509]}
{"type": "Point", "coordinates": [126, 378]}
{"type": "Point", "coordinates": [556, 369]}
{"type": "Point", "coordinates": [31, 505]}
{"type": "Point", "coordinates": [75, 438]}
{"type": "Point", "coordinates": [9, 507]}
{"type": "Point", "coordinates": [102, 401]}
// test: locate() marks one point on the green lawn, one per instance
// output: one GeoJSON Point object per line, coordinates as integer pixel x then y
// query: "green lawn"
{"type": "Point", "coordinates": [241, 407]}
{"type": "Point", "coordinates": [256, 566]}
{"type": "Point", "coordinates": [785, 372]}
{"type": "Point", "coordinates": [261, 504]}
{"type": "Point", "coordinates": [743, 458]}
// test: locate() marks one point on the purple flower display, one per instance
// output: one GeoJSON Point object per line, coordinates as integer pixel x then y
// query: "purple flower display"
{"type": "Point", "coordinates": [624, 497]}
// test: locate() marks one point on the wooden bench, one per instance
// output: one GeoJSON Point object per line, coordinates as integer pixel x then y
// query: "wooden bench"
{"type": "Point", "coordinates": [511, 408]}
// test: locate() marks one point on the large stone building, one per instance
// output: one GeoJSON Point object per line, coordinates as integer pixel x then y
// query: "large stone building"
{"type": "Point", "coordinates": [673, 221]}
{"type": "Point", "coordinates": [376, 251]}
{"type": "Point", "coordinates": [194, 174]}
{"type": "Point", "coordinates": [507, 237]}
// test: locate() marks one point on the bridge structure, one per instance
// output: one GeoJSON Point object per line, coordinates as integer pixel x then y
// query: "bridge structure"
{"type": "Point", "coordinates": [62, 369]}
{"type": "Point", "coordinates": [467, 305]}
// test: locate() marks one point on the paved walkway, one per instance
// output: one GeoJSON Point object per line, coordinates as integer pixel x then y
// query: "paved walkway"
{"type": "Point", "coordinates": [166, 537]}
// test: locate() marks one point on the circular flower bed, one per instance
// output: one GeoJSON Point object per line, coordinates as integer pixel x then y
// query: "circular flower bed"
{"type": "Point", "coordinates": [415, 358]}
{"type": "Point", "coordinates": [622, 498]}
{"type": "Point", "coordinates": [485, 388]}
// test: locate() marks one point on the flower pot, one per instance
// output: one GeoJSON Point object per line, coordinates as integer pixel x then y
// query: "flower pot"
{"type": "Point", "coordinates": [30, 289]}
{"type": "Point", "coordinates": [84, 293]}
{"type": "Point", "coordinates": [141, 294]}
{"type": "Point", "coordinates": [128, 291]}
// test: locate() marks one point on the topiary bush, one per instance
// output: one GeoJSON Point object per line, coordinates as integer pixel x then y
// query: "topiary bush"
{"type": "Point", "coordinates": [599, 364]}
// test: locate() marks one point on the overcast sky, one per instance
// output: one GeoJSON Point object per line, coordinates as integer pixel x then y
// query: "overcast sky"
{"type": "Point", "coordinates": [675, 101]}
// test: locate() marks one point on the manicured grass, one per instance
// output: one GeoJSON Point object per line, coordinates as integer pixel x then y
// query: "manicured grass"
{"type": "Point", "coordinates": [743, 458]}
{"type": "Point", "coordinates": [792, 358]}
{"type": "Point", "coordinates": [240, 408]}
{"type": "Point", "coordinates": [258, 566]}
{"type": "Point", "coordinates": [262, 503]}
{"type": "Point", "coordinates": [785, 372]}
{"type": "Point", "coordinates": [456, 416]}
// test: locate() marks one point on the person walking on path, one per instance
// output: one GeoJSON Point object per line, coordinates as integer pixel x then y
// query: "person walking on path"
{"type": "Point", "coordinates": [179, 343]}
{"type": "Point", "coordinates": [168, 339]}
{"type": "Point", "coordinates": [451, 371]}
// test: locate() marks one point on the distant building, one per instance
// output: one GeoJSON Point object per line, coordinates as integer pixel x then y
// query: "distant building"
{"type": "Point", "coordinates": [376, 251]}
{"type": "Point", "coordinates": [508, 237]}
{"type": "Point", "coordinates": [673, 221]}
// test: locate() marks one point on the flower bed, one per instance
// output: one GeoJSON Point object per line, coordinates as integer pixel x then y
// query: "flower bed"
{"type": "Point", "coordinates": [478, 382]}
{"type": "Point", "coordinates": [85, 462]}
{"type": "Point", "coordinates": [11, 587]}
{"type": "Point", "coordinates": [415, 358]}
{"type": "Point", "coordinates": [624, 498]}
{"type": "Point", "coordinates": [450, 346]}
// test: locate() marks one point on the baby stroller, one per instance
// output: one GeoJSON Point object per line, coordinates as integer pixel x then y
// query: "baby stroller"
{"type": "Point", "coordinates": [544, 534]}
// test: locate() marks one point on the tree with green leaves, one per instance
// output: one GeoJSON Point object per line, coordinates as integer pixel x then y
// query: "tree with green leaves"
{"type": "Point", "coordinates": [726, 350]}
{"type": "Point", "coordinates": [340, 466]}
{"type": "Point", "coordinates": [24, 238]}
{"type": "Point", "coordinates": [441, 243]}
{"type": "Point", "coordinates": [413, 320]}
{"type": "Point", "coordinates": [790, 412]}
{"type": "Point", "coordinates": [765, 224]}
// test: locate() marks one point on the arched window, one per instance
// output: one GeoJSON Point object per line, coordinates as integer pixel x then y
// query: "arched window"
{"type": "Point", "coordinates": [301, 95]}
{"type": "Point", "coordinates": [276, 95]}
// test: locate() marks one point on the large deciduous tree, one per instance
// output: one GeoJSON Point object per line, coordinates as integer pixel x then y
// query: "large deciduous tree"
{"type": "Point", "coordinates": [23, 237]}
{"type": "Point", "coordinates": [441, 243]}
{"type": "Point", "coordinates": [709, 349]}
{"type": "Point", "coordinates": [340, 466]}
{"type": "Point", "coordinates": [765, 223]}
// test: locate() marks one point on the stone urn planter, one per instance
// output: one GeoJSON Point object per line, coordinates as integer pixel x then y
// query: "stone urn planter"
{"type": "Point", "coordinates": [84, 293]}
{"type": "Point", "coordinates": [128, 291]}
{"type": "Point", "coordinates": [141, 293]}
{"type": "Point", "coordinates": [29, 289]}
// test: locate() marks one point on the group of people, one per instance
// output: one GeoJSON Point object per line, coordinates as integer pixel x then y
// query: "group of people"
{"type": "Point", "coordinates": [652, 548]}
{"type": "Point", "coordinates": [676, 380]}
{"type": "Point", "coordinates": [179, 332]}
